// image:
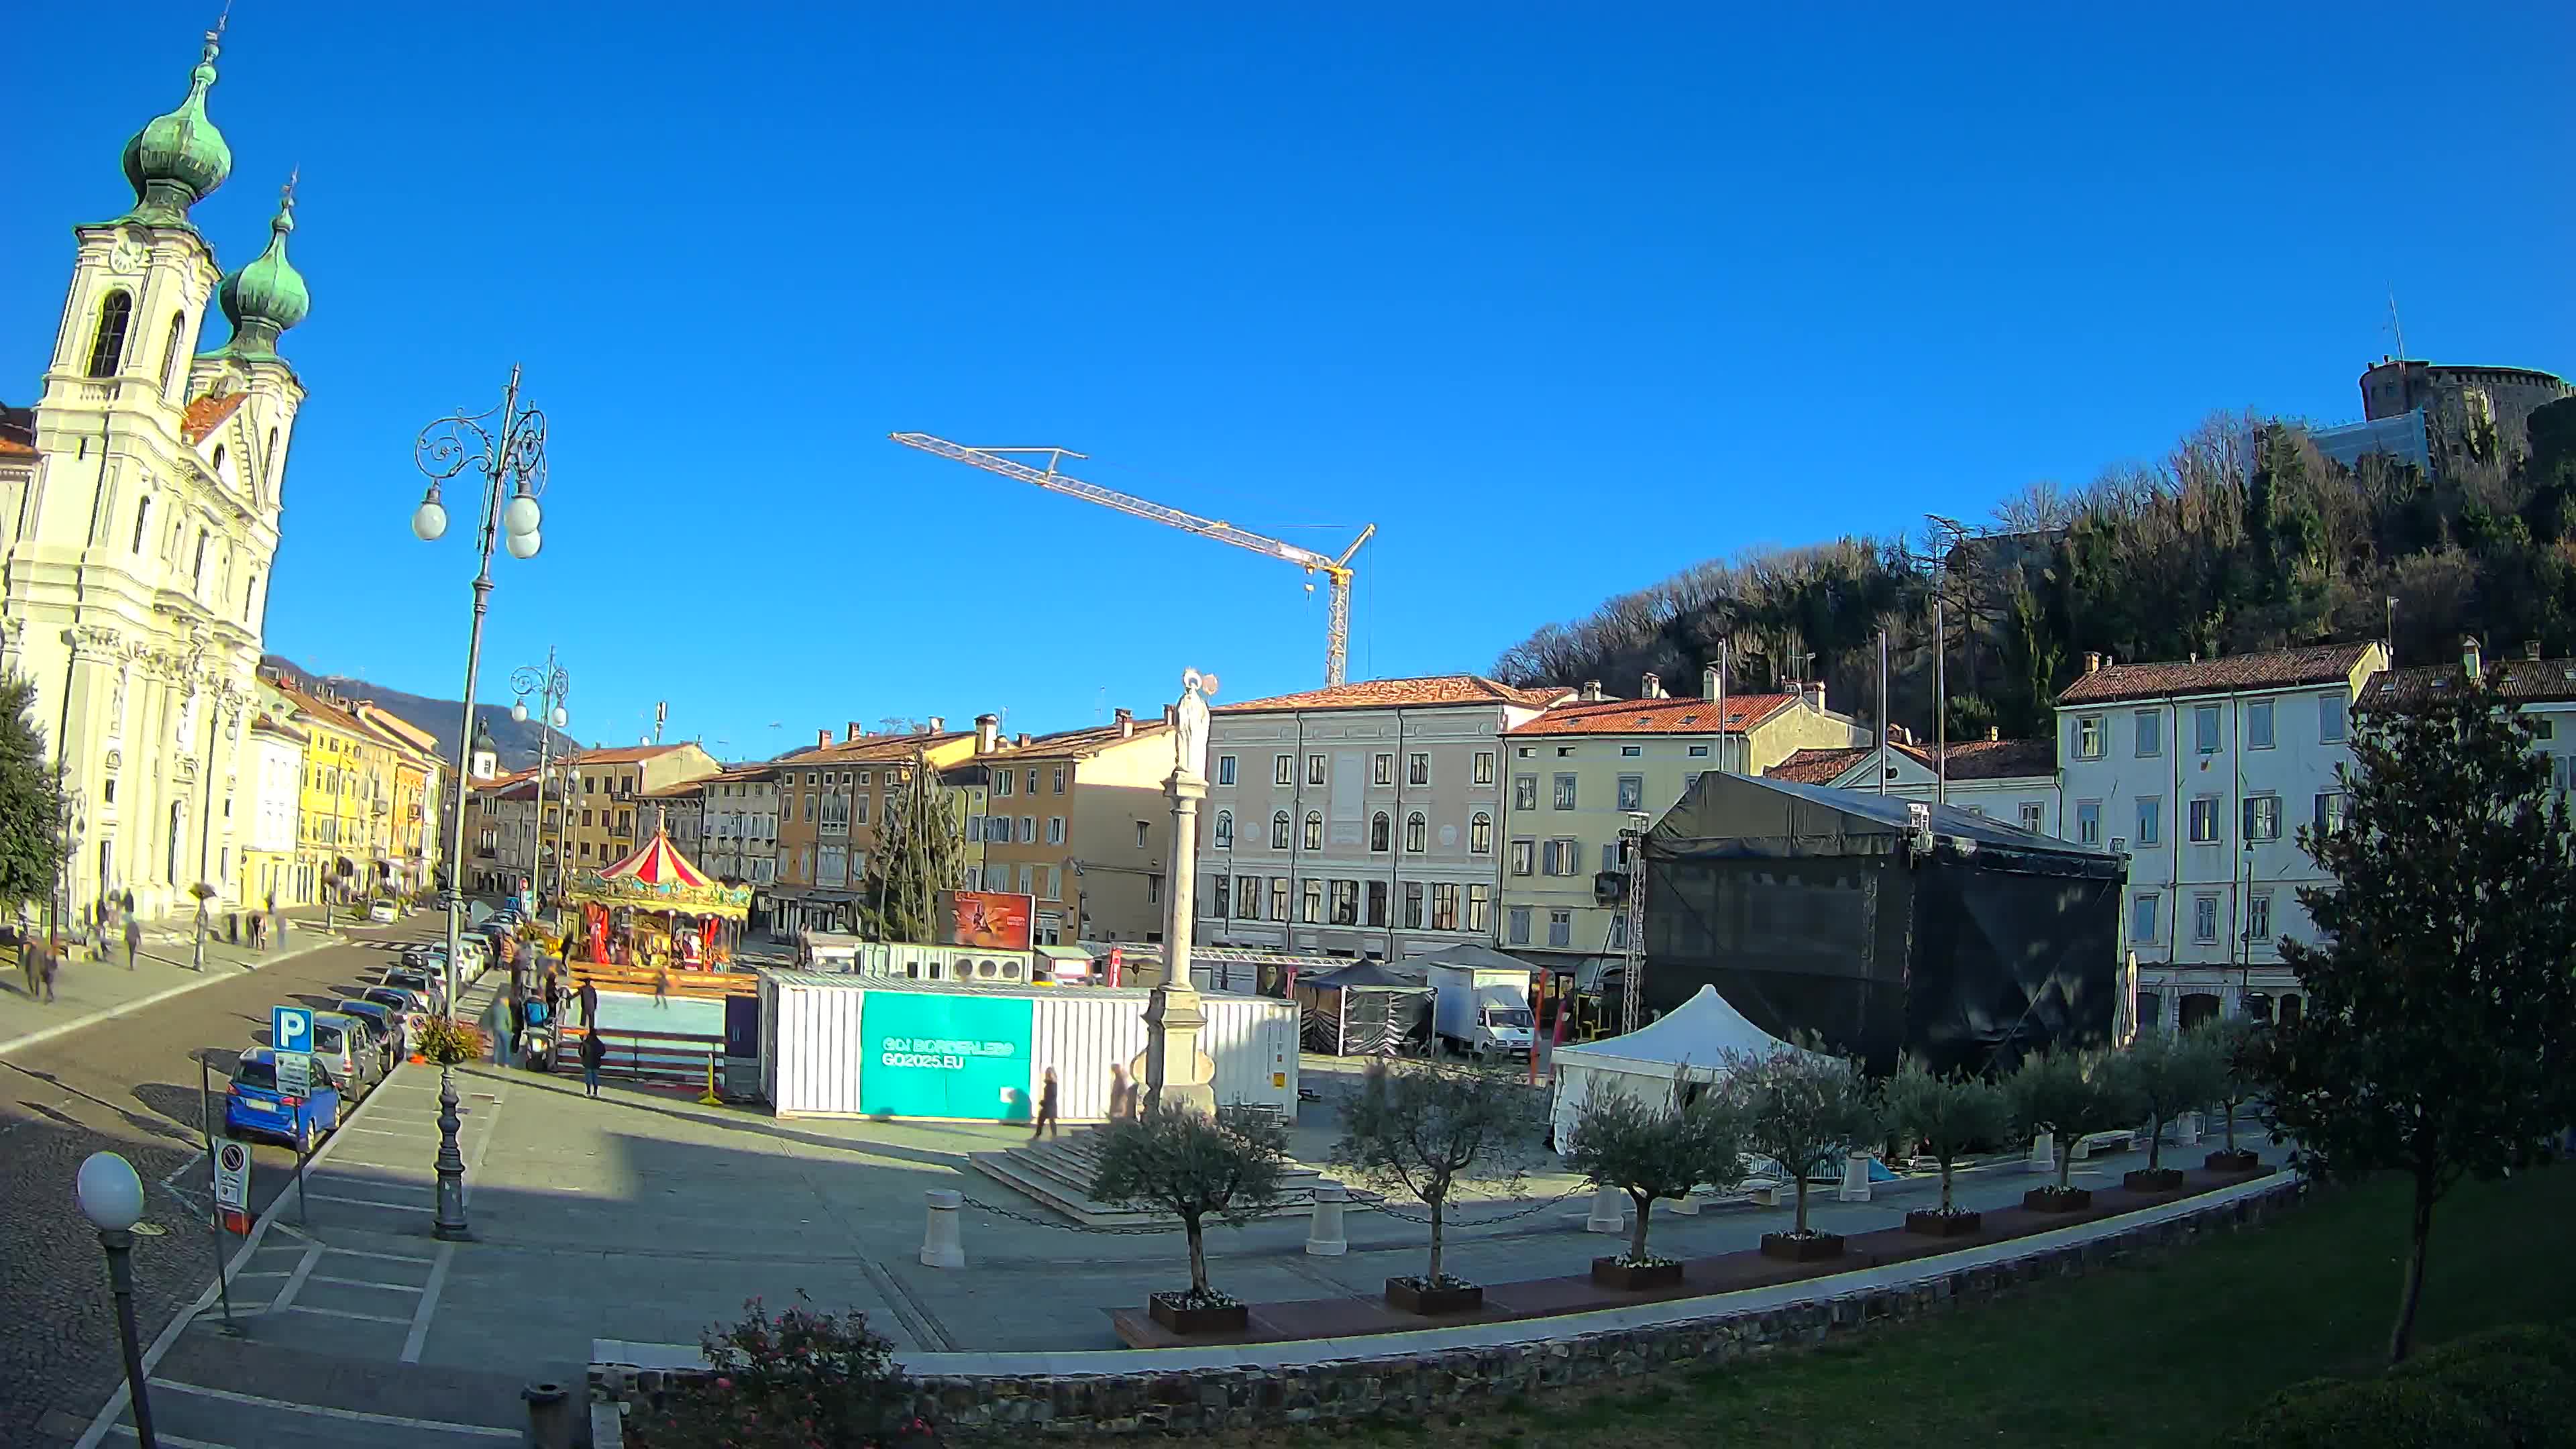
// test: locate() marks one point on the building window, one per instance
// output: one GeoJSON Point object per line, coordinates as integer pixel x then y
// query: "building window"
{"type": "Point", "coordinates": [2088, 822]}
{"type": "Point", "coordinates": [1525, 792]}
{"type": "Point", "coordinates": [1444, 906]}
{"type": "Point", "coordinates": [2204, 919]}
{"type": "Point", "coordinates": [1413, 905]}
{"type": "Point", "coordinates": [1314, 769]}
{"type": "Point", "coordinates": [1381, 832]}
{"type": "Point", "coordinates": [2330, 718]}
{"type": "Point", "coordinates": [2262, 817]}
{"type": "Point", "coordinates": [1484, 767]}
{"type": "Point", "coordinates": [2258, 725]}
{"type": "Point", "coordinates": [1480, 834]}
{"type": "Point", "coordinates": [2033, 816]}
{"type": "Point", "coordinates": [1141, 841]}
{"type": "Point", "coordinates": [1417, 769]}
{"type": "Point", "coordinates": [1518, 925]}
{"type": "Point", "coordinates": [197, 572]}
{"type": "Point", "coordinates": [1632, 792]}
{"type": "Point", "coordinates": [1314, 830]}
{"type": "Point", "coordinates": [1699, 752]}
{"type": "Point", "coordinates": [2151, 820]}
{"type": "Point", "coordinates": [1033, 778]}
{"type": "Point", "coordinates": [1314, 903]}
{"type": "Point", "coordinates": [1382, 769]}
{"type": "Point", "coordinates": [1279, 831]}
{"type": "Point", "coordinates": [1247, 897]}
{"type": "Point", "coordinates": [2330, 808]}
{"type": "Point", "coordinates": [142, 521]}
{"type": "Point", "coordinates": [1562, 857]}
{"type": "Point", "coordinates": [1225, 830]}
{"type": "Point", "coordinates": [1055, 830]}
{"type": "Point", "coordinates": [1059, 779]}
{"type": "Point", "coordinates": [1003, 780]}
{"type": "Point", "coordinates": [1617, 939]}
{"type": "Point", "coordinates": [107, 344]}
{"type": "Point", "coordinates": [2151, 733]}
{"type": "Point", "coordinates": [1480, 907]}
{"type": "Point", "coordinates": [1565, 792]}
{"type": "Point", "coordinates": [1219, 906]}
{"type": "Point", "coordinates": [2204, 729]}
{"type": "Point", "coordinates": [2088, 737]}
{"type": "Point", "coordinates": [1279, 898]}
{"type": "Point", "coordinates": [1377, 903]}
{"type": "Point", "coordinates": [1523, 852]}
{"type": "Point", "coordinates": [1225, 769]}
{"type": "Point", "coordinates": [1417, 833]}
{"type": "Point", "coordinates": [2542, 729]}
{"type": "Point", "coordinates": [2258, 916]}
{"type": "Point", "coordinates": [1028, 830]}
{"type": "Point", "coordinates": [1346, 903]}
{"type": "Point", "coordinates": [2142, 919]}
{"type": "Point", "coordinates": [2204, 820]}
{"type": "Point", "coordinates": [1560, 928]}
{"type": "Point", "coordinates": [1028, 880]}
{"type": "Point", "coordinates": [1283, 770]}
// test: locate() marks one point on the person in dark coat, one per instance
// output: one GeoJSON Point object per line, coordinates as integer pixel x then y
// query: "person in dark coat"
{"type": "Point", "coordinates": [593, 1052]}
{"type": "Point", "coordinates": [133, 937]}
{"type": "Point", "coordinates": [589, 1004]}
{"type": "Point", "coordinates": [1046, 1109]}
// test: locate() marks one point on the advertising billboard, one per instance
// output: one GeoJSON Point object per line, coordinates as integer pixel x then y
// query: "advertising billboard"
{"type": "Point", "coordinates": [991, 920]}
{"type": "Point", "coordinates": [956, 1057]}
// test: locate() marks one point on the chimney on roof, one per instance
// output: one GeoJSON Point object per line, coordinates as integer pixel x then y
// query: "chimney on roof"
{"type": "Point", "coordinates": [1024, 737]}
{"type": "Point", "coordinates": [1591, 692]}
{"type": "Point", "coordinates": [853, 733]}
{"type": "Point", "coordinates": [1651, 687]}
{"type": "Point", "coordinates": [2092, 661]}
{"type": "Point", "coordinates": [2472, 662]}
{"type": "Point", "coordinates": [1126, 724]}
{"type": "Point", "coordinates": [1815, 694]}
{"type": "Point", "coordinates": [1710, 685]}
{"type": "Point", "coordinates": [1993, 734]}
{"type": "Point", "coordinates": [939, 724]}
{"type": "Point", "coordinates": [822, 738]}
{"type": "Point", "coordinates": [2531, 650]}
{"type": "Point", "coordinates": [1172, 715]}
{"type": "Point", "coordinates": [988, 728]}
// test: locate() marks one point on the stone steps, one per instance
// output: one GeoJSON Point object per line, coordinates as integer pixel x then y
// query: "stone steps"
{"type": "Point", "coordinates": [1058, 1172]}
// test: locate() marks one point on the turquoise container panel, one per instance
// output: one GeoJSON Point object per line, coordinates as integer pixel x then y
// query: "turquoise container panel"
{"type": "Point", "coordinates": [963, 1058]}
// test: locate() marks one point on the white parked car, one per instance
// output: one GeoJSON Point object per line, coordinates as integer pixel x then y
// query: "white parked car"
{"type": "Point", "coordinates": [382, 912]}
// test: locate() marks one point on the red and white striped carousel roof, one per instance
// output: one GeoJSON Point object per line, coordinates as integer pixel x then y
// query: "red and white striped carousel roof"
{"type": "Point", "coordinates": [657, 863]}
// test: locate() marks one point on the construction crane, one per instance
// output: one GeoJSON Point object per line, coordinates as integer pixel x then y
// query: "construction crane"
{"type": "Point", "coordinates": [1336, 570]}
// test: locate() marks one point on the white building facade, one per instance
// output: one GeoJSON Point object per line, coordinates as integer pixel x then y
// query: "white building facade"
{"type": "Point", "coordinates": [141, 528]}
{"type": "Point", "coordinates": [741, 823]}
{"type": "Point", "coordinates": [2202, 772]}
{"type": "Point", "coordinates": [1362, 819]}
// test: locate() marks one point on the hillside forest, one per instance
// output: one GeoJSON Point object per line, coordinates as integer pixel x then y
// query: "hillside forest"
{"type": "Point", "coordinates": [2244, 537]}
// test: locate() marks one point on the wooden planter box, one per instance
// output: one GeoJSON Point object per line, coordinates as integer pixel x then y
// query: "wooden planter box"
{"type": "Point", "coordinates": [1934, 1223]}
{"type": "Point", "coordinates": [2238, 1161]}
{"type": "Point", "coordinates": [2153, 1179]}
{"type": "Point", "coordinates": [1167, 1310]}
{"type": "Point", "coordinates": [2057, 1200]}
{"type": "Point", "coordinates": [1402, 1294]}
{"type": "Point", "coordinates": [1612, 1273]}
{"type": "Point", "coordinates": [1802, 1250]}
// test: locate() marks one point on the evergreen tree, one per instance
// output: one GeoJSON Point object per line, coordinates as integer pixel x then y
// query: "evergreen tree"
{"type": "Point", "coordinates": [31, 801]}
{"type": "Point", "coordinates": [2439, 1038]}
{"type": "Point", "coordinates": [917, 856]}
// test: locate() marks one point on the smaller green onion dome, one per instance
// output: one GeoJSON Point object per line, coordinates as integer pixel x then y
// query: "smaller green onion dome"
{"type": "Point", "coordinates": [267, 297]}
{"type": "Point", "coordinates": [176, 160]}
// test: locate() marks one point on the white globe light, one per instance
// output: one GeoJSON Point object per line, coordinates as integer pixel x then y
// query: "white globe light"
{"type": "Point", "coordinates": [561, 718]}
{"type": "Point", "coordinates": [111, 1196]}
{"type": "Point", "coordinates": [519, 710]}
{"type": "Point", "coordinates": [523, 545]}
{"type": "Point", "coordinates": [521, 515]}
{"type": "Point", "coordinates": [429, 521]}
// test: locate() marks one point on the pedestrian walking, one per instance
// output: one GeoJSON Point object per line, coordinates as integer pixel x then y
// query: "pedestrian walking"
{"type": "Point", "coordinates": [1046, 1123]}
{"type": "Point", "coordinates": [133, 938]}
{"type": "Point", "coordinates": [661, 986]}
{"type": "Point", "coordinates": [593, 1052]}
{"type": "Point", "coordinates": [48, 961]}
{"type": "Point", "coordinates": [589, 1004]}
{"type": "Point", "coordinates": [26, 960]}
{"type": "Point", "coordinates": [1122, 1093]}
{"type": "Point", "coordinates": [497, 1020]}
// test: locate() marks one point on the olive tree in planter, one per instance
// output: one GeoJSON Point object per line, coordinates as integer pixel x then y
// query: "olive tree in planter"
{"type": "Point", "coordinates": [2073, 1095]}
{"type": "Point", "coordinates": [1427, 1131]}
{"type": "Point", "coordinates": [1950, 1116]}
{"type": "Point", "coordinates": [2232, 1045]}
{"type": "Point", "coordinates": [2167, 1074]}
{"type": "Point", "coordinates": [1804, 1110]}
{"type": "Point", "coordinates": [1652, 1150]}
{"type": "Point", "coordinates": [1181, 1161]}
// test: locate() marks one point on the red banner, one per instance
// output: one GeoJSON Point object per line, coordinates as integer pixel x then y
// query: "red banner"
{"type": "Point", "coordinates": [994, 920]}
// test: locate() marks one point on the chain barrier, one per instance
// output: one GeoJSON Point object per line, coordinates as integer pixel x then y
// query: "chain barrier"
{"type": "Point", "coordinates": [1373, 1201]}
{"type": "Point", "coordinates": [1379, 1202]}
{"type": "Point", "coordinates": [1038, 1222]}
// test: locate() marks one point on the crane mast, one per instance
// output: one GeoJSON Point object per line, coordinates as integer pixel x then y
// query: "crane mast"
{"type": "Point", "coordinates": [1335, 569]}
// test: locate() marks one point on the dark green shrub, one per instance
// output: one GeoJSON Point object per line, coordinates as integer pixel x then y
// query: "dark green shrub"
{"type": "Point", "coordinates": [2407, 1412]}
{"type": "Point", "coordinates": [2548, 1343]}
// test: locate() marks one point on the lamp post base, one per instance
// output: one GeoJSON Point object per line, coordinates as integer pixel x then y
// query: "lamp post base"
{"type": "Point", "coordinates": [450, 1225]}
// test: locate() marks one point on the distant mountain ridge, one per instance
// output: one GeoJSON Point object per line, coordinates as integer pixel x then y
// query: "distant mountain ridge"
{"type": "Point", "coordinates": [514, 742]}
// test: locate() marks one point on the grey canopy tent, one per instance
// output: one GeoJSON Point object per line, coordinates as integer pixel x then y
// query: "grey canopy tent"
{"type": "Point", "coordinates": [1881, 925]}
{"type": "Point", "coordinates": [1365, 1009]}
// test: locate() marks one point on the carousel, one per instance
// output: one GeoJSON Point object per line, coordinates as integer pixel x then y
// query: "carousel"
{"type": "Point", "coordinates": [656, 911]}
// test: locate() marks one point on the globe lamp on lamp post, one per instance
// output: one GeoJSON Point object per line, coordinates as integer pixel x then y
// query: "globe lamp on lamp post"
{"type": "Point", "coordinates": [111, 1197]}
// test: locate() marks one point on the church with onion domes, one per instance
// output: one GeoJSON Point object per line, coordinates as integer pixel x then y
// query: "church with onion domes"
{"type": "Point", "coordinates": [139, 503]}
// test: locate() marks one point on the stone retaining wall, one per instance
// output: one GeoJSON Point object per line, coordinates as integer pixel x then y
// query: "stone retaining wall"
{"type": "Point", "coordinates": [1425, 1382]}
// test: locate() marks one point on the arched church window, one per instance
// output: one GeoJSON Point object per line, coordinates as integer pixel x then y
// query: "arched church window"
{"type": "Point", "coordinates": [142, 521]}
{"type": "Point", "coordinates": [268, 460]}
{"type": "Point", "coordinates": [107, 344]}
{"type": "Point", "coordinates": [197, 571]}
{"type": "Point", "coordinates": [219, 461]}
{"type": "Point", "coordinates": [170, 379]}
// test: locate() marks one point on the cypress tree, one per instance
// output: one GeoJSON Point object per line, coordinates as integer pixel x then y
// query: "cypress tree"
{"type": "Point", "coordinates": [31, 801]}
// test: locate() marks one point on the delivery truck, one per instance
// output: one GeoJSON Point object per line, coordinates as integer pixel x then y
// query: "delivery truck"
{"type": "Point", "coordinates": [1482, 1010]}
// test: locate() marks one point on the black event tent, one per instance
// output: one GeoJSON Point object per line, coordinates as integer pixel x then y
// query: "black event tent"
{"type": "Point", "coordinates": [1812, 909]}
{"type": "Point", "coordinates": [1367, 1008]}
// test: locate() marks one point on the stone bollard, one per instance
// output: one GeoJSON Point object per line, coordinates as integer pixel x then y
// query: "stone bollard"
{"type": "Point", "coordinates": [1855, 1186]}
{"type": "Point", "coordinates": [1687, 1205]}
{"type": "Point", "coordinates": [2043, 1153]}
{"type": "Point", "coordinates": [549, 1416]}
{"type": "Point", "coordinates": [2187, 1129]}
{"type": "Point", "coordinates": [1324, 1237]}
{"type": "Point", "coordinates": [1609, 1212]}
{"type": "Point", "coordinates": [940, 1247]}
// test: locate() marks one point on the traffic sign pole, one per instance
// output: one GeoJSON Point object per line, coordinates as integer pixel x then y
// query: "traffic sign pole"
{"type": "Point", "coordinates": [214, 1177]}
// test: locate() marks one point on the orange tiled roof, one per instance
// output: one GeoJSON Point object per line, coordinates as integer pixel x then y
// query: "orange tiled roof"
{"type": "Point", "coordinates": [868, 749]}
{"type": "Point", "coordinates": [1424, 692]}
{"type": "Point", "coordinates": [1686, 715]}
{"type": "Point", "coordinates": [627, 754]}
{"type": "Point", "coordinates": [2526, 681]}
{"type": "Point", "coordinates": [1072, 744]}
{"type": "Point", "coordinates": [12, 448]}
{"type": "Point", "coordinates": [208, 413]}
{"type": "Point", "coordinates": [2271, 669]}
{"type": "Point", "coordinates": [1969, 760]}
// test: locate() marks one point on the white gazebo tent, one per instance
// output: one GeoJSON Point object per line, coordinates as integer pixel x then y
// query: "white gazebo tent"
{"type": "Point", "coordinates": [1695, 1037]}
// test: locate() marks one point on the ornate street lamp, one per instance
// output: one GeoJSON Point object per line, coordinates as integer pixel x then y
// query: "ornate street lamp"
{"type": "Point", "coordinates": [550, 685]}
{"type": "Point", "coordinates": [111, 1197]}
{"type": "Point", "coordinates": [507, 447]}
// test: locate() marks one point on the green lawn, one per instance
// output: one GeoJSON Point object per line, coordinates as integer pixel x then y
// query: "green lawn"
{"type": "Point", "coordinates": [2176, 1351]}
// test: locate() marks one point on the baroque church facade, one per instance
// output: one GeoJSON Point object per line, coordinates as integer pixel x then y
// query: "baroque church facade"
{"type": "Point", "coordinates": [141, 501]}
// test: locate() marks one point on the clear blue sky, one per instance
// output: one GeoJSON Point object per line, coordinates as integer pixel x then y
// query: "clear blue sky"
{"type": "Point", "coordinates": [1562, 302]}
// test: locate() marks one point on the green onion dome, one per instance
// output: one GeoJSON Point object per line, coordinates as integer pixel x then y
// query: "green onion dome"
{"type": "Point", "coordinates": [267, 297]}
{"type": "Point", "coordinates": [177, 159]}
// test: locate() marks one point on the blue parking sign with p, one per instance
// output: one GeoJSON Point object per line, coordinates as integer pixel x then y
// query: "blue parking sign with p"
{"type": "Point", "coordinates": [290, 1029]}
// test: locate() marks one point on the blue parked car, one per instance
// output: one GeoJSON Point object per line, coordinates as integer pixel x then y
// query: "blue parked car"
{"type": "Point", "coordinates": [252, 1107]}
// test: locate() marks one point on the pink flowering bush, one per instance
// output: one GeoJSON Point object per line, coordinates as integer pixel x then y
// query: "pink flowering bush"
{"type": "Point", "coordinates": [800, 1380]}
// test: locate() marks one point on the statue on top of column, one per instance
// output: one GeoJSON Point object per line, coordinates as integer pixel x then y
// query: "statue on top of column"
{"type": "Point", "coordinates": [1191, 737]}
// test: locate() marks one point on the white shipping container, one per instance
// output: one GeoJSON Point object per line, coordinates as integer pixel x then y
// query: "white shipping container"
{"type": "Point", "coordinates": [813, 1050]}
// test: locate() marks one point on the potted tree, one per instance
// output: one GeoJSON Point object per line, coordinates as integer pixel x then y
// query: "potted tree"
{"type": "Point", "coordinates": [2166, 1073]}
{"type": "Point", "coordinates": [1427, 1131]}
{"type": "Point", "coordinates": [1949, 1117]}
{"type": "Point", "coordinates": [1181, 1161]}
{"type": "Point", "coordinates": [1804, 1110]}
{"type": "Point", "coordinates": [2072, 1095]}
{"type": "Point", "coordinates": [2233, 1048]}
{"type": "Point", "coordinates": [1651, 1150]}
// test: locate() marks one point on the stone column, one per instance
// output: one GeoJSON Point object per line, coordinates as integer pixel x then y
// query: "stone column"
{"type": "Point", "coordinates": [1173, 1017]}
{"type": "Point", "coordinates": [1181, 911]}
